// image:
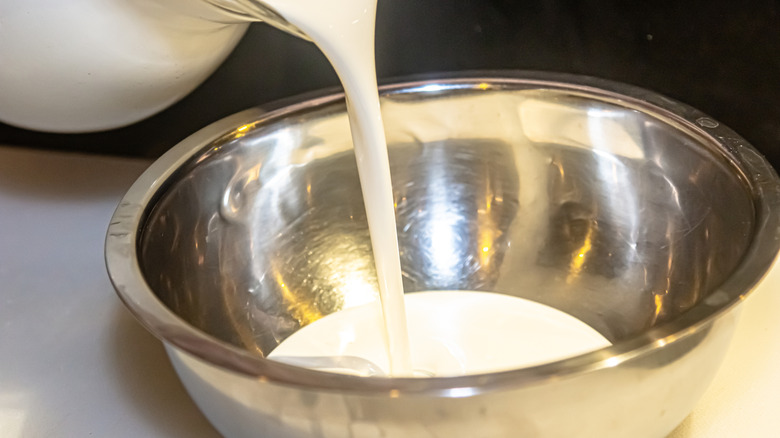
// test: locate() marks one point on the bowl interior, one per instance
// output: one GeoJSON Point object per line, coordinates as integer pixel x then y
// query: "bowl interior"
{"type": "Point", "coordinates": [618, 215]}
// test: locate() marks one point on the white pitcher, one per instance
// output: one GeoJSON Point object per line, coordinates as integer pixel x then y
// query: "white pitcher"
{"type": "Point", "coordinates": [91, 65]}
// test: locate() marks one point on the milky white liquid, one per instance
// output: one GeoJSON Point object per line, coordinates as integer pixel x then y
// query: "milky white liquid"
{"type": "Point", "coordinates": [454, 332]}
{"type": "Point", "coordinates": [344, 31]}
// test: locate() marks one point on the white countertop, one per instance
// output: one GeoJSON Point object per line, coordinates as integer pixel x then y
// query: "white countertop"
{"type": "Point", "coordinates": [74, 363]}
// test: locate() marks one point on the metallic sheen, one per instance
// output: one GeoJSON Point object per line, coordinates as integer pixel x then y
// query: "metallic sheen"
{"type": "Point", "coordinates": [606, 201]}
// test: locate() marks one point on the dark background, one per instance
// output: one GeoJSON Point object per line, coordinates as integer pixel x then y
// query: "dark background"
{"type": "Point", "coordinates": [720, 56]}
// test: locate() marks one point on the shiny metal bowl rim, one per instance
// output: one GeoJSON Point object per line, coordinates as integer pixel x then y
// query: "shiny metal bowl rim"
{"type": "Point", "coordinates": [127, 225]}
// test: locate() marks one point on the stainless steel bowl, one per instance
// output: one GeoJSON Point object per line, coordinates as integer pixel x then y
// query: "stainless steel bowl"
{"type": "Point", "coordinates": [639, 215]}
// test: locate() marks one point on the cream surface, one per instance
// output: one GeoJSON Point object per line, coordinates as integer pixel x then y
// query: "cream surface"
{"type": "Point", "coordinates": [452, 333]}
